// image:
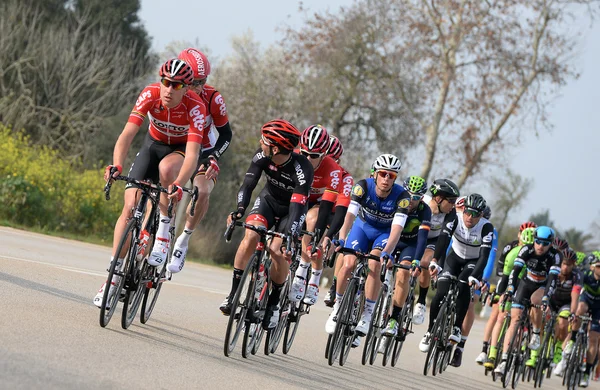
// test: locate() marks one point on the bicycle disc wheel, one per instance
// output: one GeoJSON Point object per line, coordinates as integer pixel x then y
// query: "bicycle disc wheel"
{"type": "Point", "coordinates": [239, 308]}
{"type": "Point", "coordinates": [111, 298]}
{"type": "Point", "coordinates": [342, 322]}
{"type": "Point", "coordinates": [135, 294]}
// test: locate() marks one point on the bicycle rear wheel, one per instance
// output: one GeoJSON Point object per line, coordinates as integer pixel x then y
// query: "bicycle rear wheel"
{"type": "Point", "coordinates": [436, 332]}
{"type": "Point", "coordinates": [378, 321]}
{"type": "Point", "coordinates": [274, 335]}
{"type": "Point", "coordinates": [543, 361]}
{"type": "Point", "coordinates": [350, 334]}
{"type": "Point", "coordinates": [405, 327]}
{"type": "Point", "coordinates": [291, 327]}
{"type": "Point", "coordinates": [110, 298]}
{"type": "Point", "coordinates": [343, 318]}
{"type": "Point", "coordinates": [135, 291]}
{"type": "Point", "coordinates": [239, 308]}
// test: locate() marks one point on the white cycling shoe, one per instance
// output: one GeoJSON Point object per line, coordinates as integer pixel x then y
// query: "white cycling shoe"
{"type": "Point", "coordinates": [159, 252]}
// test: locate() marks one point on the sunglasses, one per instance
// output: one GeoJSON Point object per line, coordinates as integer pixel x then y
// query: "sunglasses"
{"type": "Point", "coordinates": [387, 175]}
{"type": "Point", "coordinates": [198, 82]}
{"type": "Point", "coordinates": [473, 213]}
{"type": "Point", "coordinates": [542, 242]}
{"type": "Point", "coordinates": [176, 85]}
{"type": "Point", "coordinates": [415, 196]}
{"type": "Point", "coordinates": [308, 154]}
{"type": "Point", "coordinates": [265, 141]}
{"type": "Point", "coordinates": [450, 200]}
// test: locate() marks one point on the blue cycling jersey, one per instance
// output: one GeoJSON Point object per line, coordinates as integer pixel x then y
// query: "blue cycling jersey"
{"type": "Point", "coordinates": [379, 212]}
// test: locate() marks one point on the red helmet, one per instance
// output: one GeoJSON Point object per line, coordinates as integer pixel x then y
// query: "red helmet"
{"type": "Point", "coordinates": [569, 256]}
{"type": "Point", "coordinates": [560, 244]}
{"type": "Point", "coordinates": [315, 139]}
{"type": "Point", "coordinates": [335, 150]}
{"type": "Point", "coordinates": [197, 60]}
{"type": "Point", "coordinates": [526, 225]}
{"type": "Point", "coordinates": [177, 70]}
{"type": "Point", "coordinates": [281, 133]}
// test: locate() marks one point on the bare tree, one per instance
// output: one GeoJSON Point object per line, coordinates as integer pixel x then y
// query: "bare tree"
{"type": "Point", "coordinates": [510, 190]}
{"type": "Point", "coordinates": [61, 80]}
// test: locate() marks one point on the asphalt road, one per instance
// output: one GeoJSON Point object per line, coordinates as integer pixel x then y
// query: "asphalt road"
{"type": "Point", "coordinates": [50, 337]}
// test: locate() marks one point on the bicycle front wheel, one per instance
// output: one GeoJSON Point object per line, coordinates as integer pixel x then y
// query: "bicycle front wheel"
{"type": "Point", "coordinates": [378, 322]}
{"type": "Point", "coordinates": [135, 291]}
{"type": "Point", "coordinates": [342, 321]}
{"type": "Point", "coordinates": [116, 277]}
{"type": "Point", "coordinates": [434, 340]}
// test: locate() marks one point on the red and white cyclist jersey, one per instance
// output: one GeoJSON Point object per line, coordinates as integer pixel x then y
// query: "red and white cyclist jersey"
{"type": "Point", "coordinates": [216, 115]}
{"type": "Point", "coordinates": [172, 126]}
{"type": "Point", "coordinates": [343, 198]}
{"type": "Point", "coordinates": [326, 182]}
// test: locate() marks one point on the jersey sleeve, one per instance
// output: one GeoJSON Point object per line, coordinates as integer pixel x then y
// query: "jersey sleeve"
{"type": "Point", "coordinates": [487, 237]}
{"type": "Point", "coordinates": [359, 192]}
{"type": "Point", "coordinates": [218, 109]}
{"type": "Point", "coordinates": [443, 240]}
{"type": "Point", "coordinates": [142, 105]}
{"type": "Point", "coordinates": [343, 198]}
{"type": "Point", "coordinates": [196, 117]}
{"type": "Point", "coordinates": [299, 202]}
{"type": "Point", "coordinates": [333, 182]}
{"type": "Point", "coordinates": [250, 180]}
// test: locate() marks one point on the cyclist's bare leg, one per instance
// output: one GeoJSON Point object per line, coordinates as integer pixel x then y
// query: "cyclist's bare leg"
{"type": "Point", "coordinates": [535, 313]}
{"type": "Point", "coordinates": [348, 266]}
{"type": "Point", "coordinates": [311, 221]}
{"type": "Point", "coordinates": [469, 319]}
{"type": "Point", "coordinates": [247, 246]}
{"type": "Point", "coordinates": [168, 169]}
{"type": "Point", "coordinates": [279, 266]}
{"type": "Point", "coordinates": [373, 283]}
{"type": "Point", "coordinates": [582, 309]}
{"type": "Point", "coordinates": [489, 326]}
{"type": "Point", "coordinates": [402, 287]}
{"type": "Point", "coordinates": [131, 197]}
{"type": "Point", "coordinates": [515, 314]}
{"type": "Point", "coordinates": [594, 337]}
{"type": "Point", "coordinates": [425, 276]}
{"type": "Point", "coordinates": [205, 188]}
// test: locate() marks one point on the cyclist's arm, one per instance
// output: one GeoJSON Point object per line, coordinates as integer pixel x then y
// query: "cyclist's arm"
{"type": "Point", "coordinates": [398, 223]}
{"type": "Point", "coordinates": [337, 221]}
{"type": "Point", "coordinates": [325, 209]}
{"type": "Point", "coordinates": [487, 236]}
{"type": "Point", "coordinates": [553, 274]}
{"type": "Point", "coordinates": [190, 162]}
{"type": "Point", "coordinates": [299, 200]}
{"type": "Point", "coordinates": [250, 181]}
{"type": "Point", "coordinates": [423, 233]}
{"type": "Point", "coordinates": [441, 246]}
{"type": "Point", "coordinates": [124, 143]}
{"type": "Point", "coordinates": [224, 140]}
{"type": "Point", "coordinates": [328, 200]}
{"type": "Point", "coordinates": [509, 262]}
{"type": "Point", "coordinates": [502, 259]}
{"type": "Point", "coordinates": [487, 272]}
{"type": "Point", "coordinates": [520, 261]}
{"type": "Point", "coordinates": [576, 291]}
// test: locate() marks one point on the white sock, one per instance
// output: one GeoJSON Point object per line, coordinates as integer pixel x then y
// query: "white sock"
{"type": "Point", "coordinates": [315, 276]}
{"type": "Point", "coordinates": [184, 238]}
{"type": "Point", "coordinates": [302, 269]}
{"type": "Point", "coordinates": [368, 309]}
{"type": "Point", "coordinates": [163, 227]}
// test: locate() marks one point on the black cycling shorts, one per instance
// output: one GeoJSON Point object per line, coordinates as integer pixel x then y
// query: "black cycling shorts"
{"type": "Point", "coordinates": [524, 292]}
{"type": "Point", "coordinates": [269, 211]}
{"type": "Point", "coordinates": [145, 165]}
{"type": "Point", "coordinates": [457, 266]}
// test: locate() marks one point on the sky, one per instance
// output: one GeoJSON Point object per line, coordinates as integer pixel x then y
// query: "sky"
{"type": "Point", "coordinates": [563, 163]}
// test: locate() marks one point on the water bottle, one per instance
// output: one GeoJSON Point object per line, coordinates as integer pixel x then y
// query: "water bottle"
{"type": "Point", "coordinates": [143, 243]}
{"type": "Point", "coordinates": [260, 281]}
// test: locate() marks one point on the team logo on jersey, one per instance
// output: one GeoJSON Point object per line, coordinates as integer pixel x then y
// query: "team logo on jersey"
{"type": "Point", "coordinates": [272, 167]}
{"type": "Point", "coordinates": [403, 204]}
{"type": "Point", "coordinates": [358, 191]}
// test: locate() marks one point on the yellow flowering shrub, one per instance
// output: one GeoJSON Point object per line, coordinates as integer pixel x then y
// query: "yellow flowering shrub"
{"type": "Point", "coordinates": [39, 188]}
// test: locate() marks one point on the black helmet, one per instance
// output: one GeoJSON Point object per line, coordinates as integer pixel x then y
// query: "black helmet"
{"type": "Point", "coordinates": [445, 188]}
{"type": "Point", "coordinates": [475, 202]}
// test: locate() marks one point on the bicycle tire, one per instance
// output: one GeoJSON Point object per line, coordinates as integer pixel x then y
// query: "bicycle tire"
{"type": "Point", "coordinates": [515, 363]}
{"type": "Point", "coordinates": [152, 292]}
{"type": "Point", "coordinates": [405, 328]}
{"type": "Point", "coordinates": [378, 318]}
{"type": "Point", "coordinates": [433, 341]}
{"type": "Point", "coordinates": [291, 328]}
{"type": "Point", "coordinates": [340, 326]}
{"type": "Point", "coordinates": [113, 300]}
{"type": "Point", "coordinates": [133, 299]}
{"type": "Point", "coordinates": [244, 289]}
{"type": "Point", "coordinates": [258, 330]}
{"type": "Point", "coordinates": [542, 362]}
{"type": "Point", "coordinates": [349, 335]}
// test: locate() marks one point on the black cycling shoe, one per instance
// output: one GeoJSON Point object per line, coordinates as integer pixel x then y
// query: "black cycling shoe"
{"type": "Point", "coordinates": [330, 297]}
{"type": "Point", "coordinates": [271, 318]}
{"type": "Point", "coordinates": [457, 358]}
{"type": "Point", "coordinates": [226, 306]}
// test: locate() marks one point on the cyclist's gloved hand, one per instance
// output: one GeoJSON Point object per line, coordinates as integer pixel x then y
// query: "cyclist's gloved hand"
{"type": "Point", "coordinates": [175, 192]}
{"type": "Point", "coordinates": [212, 167]}
{"type": "Point", "coordinates": [434, 268]}
{"type": "Point", "coordinates": [238, 214]}
{"type": "Point", "coordinates": [339, 243]}
{"type": "Point", "coordinates": [112, 171]}
{"type": "Point", "coordinates": [545, 301]}
{"type": "Point", "coordinates": [416, 263]}
{"type": "Point", "coordinates": [571, 317]}
{"type": "Point", "coordinates": [384, 257]}
{"type": "Point", "coordinates": [510, 290]}
{"type": "Point", "coordinates": [474, 282]}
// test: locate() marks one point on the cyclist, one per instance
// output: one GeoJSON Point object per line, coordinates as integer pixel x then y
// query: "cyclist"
{"type": "Point", "coordinates": [470, 317]}
{"type": "Point", "coordinates": [444, 194]}
{"type": "Point", "coordinates": [410, 247]}
{"type": "Point", "coordinates": [511, 245]}
{"type": "Point", "coordinates": [170, 150]}
{"type": "Point", "coordinates": [382, 209]}
{"type": "Point", "coordinates": [217, 140]}
{"type": "Point", "coordinates": [543, 266]}
{"type": "Point", "coordinates": [589, 301]}
{"type": "Point", "coordinates": [323, 195]}
{"type": "Point", "coordinates": [341, 207]}
{"type": "Point", "coordinates": [472, 238]}
{"type": "Point", "coordinates": [494, 325]}
{"type": "Point", "coordinates": [563, 301]}
{"type": "Point", "coordinates": [284, 197]}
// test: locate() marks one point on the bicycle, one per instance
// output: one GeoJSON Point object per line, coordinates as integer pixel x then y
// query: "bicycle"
{"type": "Point", "coordinates": [577, 359]}
{"type": "Point", "coordinates": [340, 343]}
{"type": "Point", "coordinates": [135, 274]}
{"type": "Point", "coordinates": [505, 305]}
{"type": "Point", "coordinates": [546, 349]}
{"type": "Point", "coordinates": [250, 299]}
{"type": "Point", "coordinates": [289, 320]}
{"type": "Point", "coordinates": [438, 355]}
{"type": "Point", "coordinates": [518, 349]}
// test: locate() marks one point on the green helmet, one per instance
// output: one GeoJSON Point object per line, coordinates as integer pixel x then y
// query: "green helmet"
{"type": "Point", "coordinates": [415, 185]}
{"type": "Point", "coordinates": [527, 236]}
{"type": "Point", "coordinates": [580, 257]}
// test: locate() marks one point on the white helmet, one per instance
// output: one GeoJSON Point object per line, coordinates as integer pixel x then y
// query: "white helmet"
{"type": "Point", "coordinates": [387, 162]}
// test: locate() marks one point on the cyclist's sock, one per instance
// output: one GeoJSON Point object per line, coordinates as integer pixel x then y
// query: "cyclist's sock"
{"type": "Point", "coordinates": [184, 238]}
{"type": "Point", "coordinates": [461, 344]}
{"type": "Point", "coordinates": [504, 356]}
{"type": "Point", "coordinates": [163, 227]}
{"type": "Point", "coordinates": [486, 345]}
{"type": "Point", "coordinates": [396, 312]}
{"type": "Point", "coordinates": [536, 331]}
{"type": "Point", "coordinates": [338, 301]}
{"type": "Point", "coordinates": [422, 295]}
{"type": "Point", "coordinates": [493, 352]}
{"type": "Point", "coordinates": [237, 275]}
{"type": "Point", "coordinates": [275, 293]}
{"type": "Point", "coordinates": [533, 354]}
{"type": "Point", "coordinates": [315, 276]}
{"type": "Point", "coordinates": [368, 309]}
{"type": "Point", "coordinates": [302, 269]}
